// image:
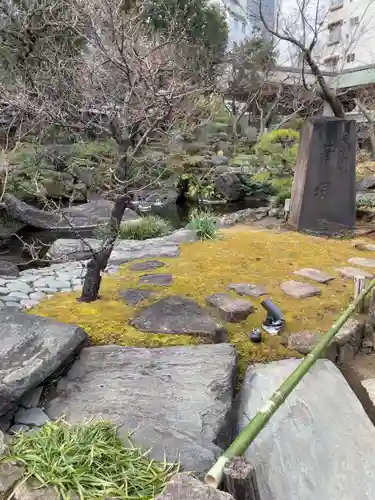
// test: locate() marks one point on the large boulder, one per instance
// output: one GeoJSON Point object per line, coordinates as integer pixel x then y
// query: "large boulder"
{"type": "Point", "coordinates": [319, 444]}
{"type": "Point", "coordinates": [124, 250]}
{"type": "Point", "coordinates": [229, 186]}
{"type": "Point", "coordinates": [174, 400]}
{"type": "Point", "coordinates": [31, 349]}
{"type": "Point", "coordinates": [86, 216]}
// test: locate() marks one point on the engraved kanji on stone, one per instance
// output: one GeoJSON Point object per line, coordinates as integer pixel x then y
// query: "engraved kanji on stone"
{"type": "Point", "coordinates": [344, 153]}
{"type": "Point", "coordinates": [326, 153]}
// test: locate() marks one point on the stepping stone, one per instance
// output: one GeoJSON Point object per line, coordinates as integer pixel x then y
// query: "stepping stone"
{"type": "Point", "coordinates": [299, 290]}
{"type": "Point", "coordinates": [28, 303]}
{"type": "Point", "coordinates": [304, 343]}
{"type": "Point", "coordinates": [230, 308]}
{"type": "Point", "coordinates": [362, 245]}
{"type": "Point", "coordinates": [132, 296]}
{"type": "Point", "coordinates": [19, 286]}
{"type": "Point", "coordinates": [173, 400]}
{"type": "Point", "coordinates": [314, 274]}
{"type": "Point", "coordinates": [147, 266]}
{"type": "Point", "coordinates": [247, 289]}
{"type": "Point", "coordinates": [156, 279]}
{"type": "Point", "coordinates": [360, 261]}
{"type": "Point", "coordinates": [179, 316]}
{"type": "Point", "coordinates": [353, 272]}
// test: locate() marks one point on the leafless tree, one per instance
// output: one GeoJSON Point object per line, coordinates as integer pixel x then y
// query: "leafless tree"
{"type": "Point", "coordinates": [99, 65]}
{"type": "Point", "coordinates": [269, 103]}
{"type": "Point", "coordinates": [302, 28]}
{"type": "Point", "coordinates": [365, 102]}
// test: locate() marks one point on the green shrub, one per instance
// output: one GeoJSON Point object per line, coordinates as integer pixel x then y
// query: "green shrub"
{"type": "Point", "coordinates": [203, 222]}
{"type": "Point", "coordinates": [88, 460]}
{"type": "Point", "coordinates": [150, 226]}
{"type": "Point", "coordinates": [277, 150]}
{"type": "Point", "coordinates": [279, 187]}
{"type": "Point", "coordinates": [364, 202]}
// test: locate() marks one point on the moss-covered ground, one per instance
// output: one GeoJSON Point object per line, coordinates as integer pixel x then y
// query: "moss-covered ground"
{"type": "Point", "coordinates": [240, 255]}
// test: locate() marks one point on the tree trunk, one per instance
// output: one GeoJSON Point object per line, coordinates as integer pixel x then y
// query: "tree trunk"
{"type": "Point", "coordinates": [327, 93]}
{"type": "Point", "coordinates": [99, 261]}
{"type": "Point", "coordinates": [372, 143]}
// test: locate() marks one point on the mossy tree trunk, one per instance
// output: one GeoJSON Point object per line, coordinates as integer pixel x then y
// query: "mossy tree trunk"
{"type": "Point", "coordinates": [99, 261]}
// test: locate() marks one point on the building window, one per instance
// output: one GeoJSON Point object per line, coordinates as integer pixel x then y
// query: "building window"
{"type": "Point", "coordinates": [354, 21]}
{"type": "Point", "coordinates": [350, 57]}
{"type": "Point", "coordinates": [334, 33]}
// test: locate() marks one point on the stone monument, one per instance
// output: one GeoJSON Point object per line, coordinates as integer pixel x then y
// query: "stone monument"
{"type": "Point", "coordinates": [324, 194]}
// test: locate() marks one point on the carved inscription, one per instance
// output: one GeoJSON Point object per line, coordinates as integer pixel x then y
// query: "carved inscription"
{"type": "Point", "coordinates": [344, 153]}
{"type": "Point", "coordinates": [328, 149]}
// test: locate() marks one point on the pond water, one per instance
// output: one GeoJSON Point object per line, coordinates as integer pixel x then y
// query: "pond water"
{"type": "Point", "coordinates": [178, 215]}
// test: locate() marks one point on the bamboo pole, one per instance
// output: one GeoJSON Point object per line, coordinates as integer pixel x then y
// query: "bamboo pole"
{"type": "Point", "coordinates": [249, 433]}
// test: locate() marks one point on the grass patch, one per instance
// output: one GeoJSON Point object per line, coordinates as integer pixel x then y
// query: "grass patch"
{"type": "Point", "coordinates": [203, 222]}
{"type": "Point", "coordinates": [262, 257]}
{"type": "Point", "coordinates": [150, 226]}
{"type": "Point", "coordinates": [89, 460]}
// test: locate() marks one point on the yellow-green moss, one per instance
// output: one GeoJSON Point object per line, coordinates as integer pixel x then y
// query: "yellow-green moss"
{"type": "Point", "coordinates": [240, 255]}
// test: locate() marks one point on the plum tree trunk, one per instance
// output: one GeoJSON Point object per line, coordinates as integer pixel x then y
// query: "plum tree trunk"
{"type": "Point", "coordinates": [99, 261]}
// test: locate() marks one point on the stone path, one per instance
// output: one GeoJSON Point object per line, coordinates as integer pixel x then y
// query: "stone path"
{"type": "Point", "coordinates": [34, 285]}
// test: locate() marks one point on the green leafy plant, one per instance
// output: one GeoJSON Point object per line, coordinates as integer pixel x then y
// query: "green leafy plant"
{"type": "Point", "coordinates": [364, 202]}
{"type": "Point", "coordinates": [88, 460]}
{"type": "Point", "coordinates": [150, 226]}
{"type": "Point", "coordinates": [277, 150]}
{"type": "Point", "coordinates": [279, 187]}
{"type": "Point", "coordinates": [199, 188]}
{"type": "Point", "coordinates": [203, 222]}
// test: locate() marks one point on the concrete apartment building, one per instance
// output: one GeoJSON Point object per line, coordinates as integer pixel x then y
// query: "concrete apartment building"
{"type": "Point", "coordinates": [240, 18]}
{"type": "Point", "coordinates": [347, 40]}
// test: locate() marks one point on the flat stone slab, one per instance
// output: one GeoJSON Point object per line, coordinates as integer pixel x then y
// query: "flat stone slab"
{"type": "Point", "coordinates": [173, 400]}
{"type": "Point", "coordinates": [322, 414]}
{"type": "Point", "coordinates": [31, 349]}
{"type": "Point", "coordinates": [363, 245]}
{"type": "Point", "coordinates": [361, 261]}
{"type": "Point", "coordinates": [85, 216]}
{"type": "Point", "coordinates": [179, 316]}
{"type": "Point", "coordinates": [314, 274]}
{"type": "Point", "coordinates": [147, 266]}
{"type": "Point", "coordinates": [33, 416]}
{"type": "Point", "coordinates": [156, 279]}
{"type": "Point", "coordinates": [299, 290]}
{"type": "Point", "coordinates": [230, 308]}
{"type": "Point", "coordinates": [304, 343]}
{"type": "Point", "coordinates": [66, 249]}
{"type": "Point", "coordinates": [353, 272]}
{"type": "Point", "coordinates": [185, 487]}
{"type": "Point", "coordinates": [133, 296]}
{"type": "Point", "coordinates": [247, 289]}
